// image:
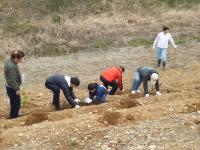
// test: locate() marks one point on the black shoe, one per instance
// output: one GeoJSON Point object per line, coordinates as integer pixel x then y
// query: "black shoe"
{"type": "Point", "coordinates": [164, 65]}
{"type": "Point", "coordinates": [159, 62]}
{"type": "Point", "coordinates": [58, 108]}
{"type": "Point", "coordinates": [9, 117]}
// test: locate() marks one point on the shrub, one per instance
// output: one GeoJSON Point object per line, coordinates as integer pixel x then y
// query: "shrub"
{"type": "Point", "coordinates": [12, 25]}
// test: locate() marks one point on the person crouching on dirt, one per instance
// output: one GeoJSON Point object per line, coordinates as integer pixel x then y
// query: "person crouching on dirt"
{"type": "Point", "coordinates": [109, 77]}
{"type": "Point", "coordinates": [97, 93]}
{"type": "Point", "coordinates": [143, 75]}
{"type": "Point", "coordinates": [57, 82]}
{"type": "Point", "coordinates": [13, 82]}
{"type": "Point", "coordinates": [161, 45]}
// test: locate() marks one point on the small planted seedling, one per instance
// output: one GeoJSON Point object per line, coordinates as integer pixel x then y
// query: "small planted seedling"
{"type": "Point", "coordinates": [25, 99]}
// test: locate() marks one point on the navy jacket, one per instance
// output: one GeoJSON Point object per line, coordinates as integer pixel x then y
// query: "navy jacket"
{"type": "Point", "coordinates": [99, 94]}
{"type": "Point", "coordinates": [60, 81]}
{"type": "Point", "coordinates": [145, 75]}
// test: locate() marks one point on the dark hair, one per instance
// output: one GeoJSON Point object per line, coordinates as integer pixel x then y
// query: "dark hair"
{"type": "Point", "coordinates": [75, 81]}
{"type": "Point", "coordinates": [92, 86]}
{"type": "Point", "coordinates": [17, 54]}
{"type": "Point", "coordinates": [165, 28]}
{"type": "Point", "coordinates": [123, 68]}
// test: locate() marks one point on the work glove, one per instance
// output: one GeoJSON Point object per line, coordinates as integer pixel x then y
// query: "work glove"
{"type": "Point", "coordinates": [77, 100]}
{"type": "Point", "coordinates": [146, 95]}
{"type": "Point", "coordinates": [77, 106]}
{"type": "Point", "coordinates": [158, 93]}
{"type": "Point", "coordinates": [88, 100]}
{"type": "Point", "coordinates": [123, 90]}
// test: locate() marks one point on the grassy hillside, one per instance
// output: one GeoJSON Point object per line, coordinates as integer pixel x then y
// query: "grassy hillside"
{"type": "Point", "coordinates": [48, 27]}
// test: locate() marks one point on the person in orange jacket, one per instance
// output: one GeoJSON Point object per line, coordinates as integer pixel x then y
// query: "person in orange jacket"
{"type": "Point", "coordinates": [109, 77]}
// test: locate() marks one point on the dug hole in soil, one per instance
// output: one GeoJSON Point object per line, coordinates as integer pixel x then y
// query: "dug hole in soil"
{"type": "Point", "coordinates": [112, 118]}
{"type": "Point", "coordinates": [129, 103]}
{"type": "Point", "coordinates": [36, 118]}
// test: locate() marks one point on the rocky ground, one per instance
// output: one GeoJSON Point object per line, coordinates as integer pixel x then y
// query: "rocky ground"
{"type": "Point", "coordinates": [125, 121]}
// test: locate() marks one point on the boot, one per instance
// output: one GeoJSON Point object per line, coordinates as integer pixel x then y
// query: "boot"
{"type": "Point", "coordinates": [58, 108]}
{"type": "Point", "coordinates": [164, 65]}
{"type": "Point", "coordinates": [159, 61]}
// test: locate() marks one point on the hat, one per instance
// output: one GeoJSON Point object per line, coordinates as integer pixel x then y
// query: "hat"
{"type": "Point", "coordinates": [154, 78]}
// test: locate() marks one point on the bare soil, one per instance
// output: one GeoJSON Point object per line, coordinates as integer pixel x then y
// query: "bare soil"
{"type": "Point", "coordinates": [125, 121]}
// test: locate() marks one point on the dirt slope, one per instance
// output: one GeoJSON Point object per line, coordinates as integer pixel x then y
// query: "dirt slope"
{"type": "Point", "coordinates": [170, 121]}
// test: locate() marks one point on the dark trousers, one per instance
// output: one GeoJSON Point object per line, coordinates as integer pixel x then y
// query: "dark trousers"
{"type": "Point", "coordinates": [15, 102]}
{"type": "Point", "coordinates": [113, 84]}
{"type": "Point", "coordinates": [56, 93]}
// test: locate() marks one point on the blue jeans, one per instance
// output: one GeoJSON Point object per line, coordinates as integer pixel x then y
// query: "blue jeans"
{"type": "Point", "coordinates": [161, 54]}
{"type": "Point", "coordinates": [15, 102]}
{"type": "Point", "coordinates": [136, 82]}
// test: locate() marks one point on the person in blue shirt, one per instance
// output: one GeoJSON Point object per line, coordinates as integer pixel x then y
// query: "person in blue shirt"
{"type": "Point", "coordinates": [97, 93]}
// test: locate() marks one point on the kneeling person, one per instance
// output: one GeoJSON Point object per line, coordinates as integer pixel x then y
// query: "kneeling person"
{"type": "Point", "coordinates": [97, 93]}
{"type": "Point", "coordinates": [55, 83]}
{"type": "Point", "coordinates": [143, 75]}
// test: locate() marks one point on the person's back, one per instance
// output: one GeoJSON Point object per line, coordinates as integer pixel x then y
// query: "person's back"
{"type": "Point", "coordinates": [101, 93]}
{"type": "Point", "coordinates": [146, 72]}
{"type": "Point", "coordinates": [58, 79]}
{"type": "Point", "coordinates": [112, 73]}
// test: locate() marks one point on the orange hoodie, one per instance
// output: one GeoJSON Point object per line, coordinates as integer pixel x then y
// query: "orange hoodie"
{"type": "Point", "coordinates": [113, 73]}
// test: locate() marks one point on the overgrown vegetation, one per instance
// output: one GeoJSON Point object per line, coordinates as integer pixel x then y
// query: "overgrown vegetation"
{"type": "Point", "coordinates": [102, 43]}
{"type": "Point", "coordinates": [19, 28]}
{"type": "Point", "coordinates": [139, 42]}
{"type": "Point", "coordinates": [84, 7]}
{"type": "Point", "coordinates": [47, 27]}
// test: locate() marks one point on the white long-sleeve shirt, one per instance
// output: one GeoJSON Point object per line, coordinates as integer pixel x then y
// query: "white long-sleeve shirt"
{"type": "Point", "coordinates": [162, 40]}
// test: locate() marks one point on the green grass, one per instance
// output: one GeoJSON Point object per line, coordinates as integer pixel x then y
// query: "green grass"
{"type": "Point", "coordinates": [101, 43]}
{"type": "Point", "coordinates": [56, 19]}
{"type": "Point", "coordinates": [47, 49]}
{"type": "Point", "coordinates": [139, 42]}
{"type": "Point", "coordinates": [19, 28]}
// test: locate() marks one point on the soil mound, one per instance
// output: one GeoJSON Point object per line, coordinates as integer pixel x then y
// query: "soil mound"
{"type": "Point", "coordinates": [36, 118]}
{"type": "Point", "coordinates": [192, 108]}
{"type": "Point", "coordinates": [112, 118]}
{"type": "Point", "coordinates": [135, 96]}
{"type": "Point", "coordinates": [128, 103]}
{"type": "Point", "coordinates": [130, 117]}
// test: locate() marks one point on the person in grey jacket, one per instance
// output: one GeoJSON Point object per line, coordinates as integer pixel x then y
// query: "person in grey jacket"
{"type": "Point", "coordinates": [13, 81]}
{"type": "Point", "coordinates": [143, 75]}
{"type": "Point", "coordinates": [58, 82]}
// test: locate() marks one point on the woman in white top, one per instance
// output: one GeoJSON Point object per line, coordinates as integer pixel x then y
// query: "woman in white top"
{"type": "Point", "coordinates": [161, 45]}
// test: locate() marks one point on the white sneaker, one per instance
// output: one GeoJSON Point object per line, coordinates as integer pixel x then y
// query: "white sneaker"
{"type": "Point", "coordinates": [77, 106]}
{"type": "Point", "coordinates": [138, 91]}
{"type": "Point", "coordinates": [133, 92]}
